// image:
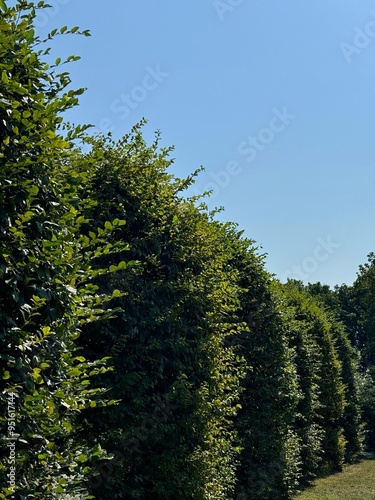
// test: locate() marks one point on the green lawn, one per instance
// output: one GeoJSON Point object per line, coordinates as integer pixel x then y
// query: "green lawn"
{"type": "Point", "coordinates": [355, 482]}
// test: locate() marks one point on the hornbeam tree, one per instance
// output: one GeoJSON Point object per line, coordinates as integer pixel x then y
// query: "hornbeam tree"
{"type": "Point", "coordinates": [46, 290]}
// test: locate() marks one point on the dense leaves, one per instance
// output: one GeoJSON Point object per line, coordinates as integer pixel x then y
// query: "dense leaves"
{"type": "Point", "coordinates": [45, 282]}
{"type": "Point", "coordinates": [177, 378]}
{"type": "Point", "coordinates": [357, 307]}
{"type": "Point", "coordinates": [145, 350]}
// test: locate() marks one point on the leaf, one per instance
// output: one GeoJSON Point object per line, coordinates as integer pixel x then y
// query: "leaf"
{"type": "Point", "coordinates": [3, 6]}
{"type": "Point", "coordinates": [46, 330]}
{"type": "Point", "coordinates": [82, 458]}
{"type": "Point", "coordinates": [75, 372]}
{"type": "Point", "coordinates": [38, 379]}
{"type": "Point", "coordinates": [68, 426]}
{"type": "Point", "coordinates": [33, 190]}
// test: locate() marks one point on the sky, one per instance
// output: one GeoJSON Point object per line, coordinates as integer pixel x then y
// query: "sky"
{"type": "Point", "coordinates": [275, 99]}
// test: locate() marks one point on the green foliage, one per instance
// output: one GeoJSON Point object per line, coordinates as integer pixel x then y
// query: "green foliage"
{"type": "Point", "coordinates": [348, 356]}
{"type": "Point", "coordinates": [223, 383]}
{"type": "Point", "coordinates": [45, 273]}
{"type": "Point", "coordinates": [366, 382]}
{"type": "Point", "coordinates": [351, 419]}
{"type": "Point", "coordinates": [177, 378]}
{"type": "Point", "coordinates": [314, 337]}
{"type": "Point", "coordinates": [269, 459]}
{"type": "Point", "coordinates": [358, 314]}
{"type": "Point", "coordinates": [364, 293]}
{"type": "Point", "coordinates": [306, 355]}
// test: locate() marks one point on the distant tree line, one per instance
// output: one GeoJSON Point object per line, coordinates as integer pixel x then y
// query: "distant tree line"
{"type": "Point", "coordinates": [145, 352]}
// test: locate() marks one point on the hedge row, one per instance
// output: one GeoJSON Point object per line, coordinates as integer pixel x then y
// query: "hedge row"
{"type": "Point", "coordinates": [149, 353]}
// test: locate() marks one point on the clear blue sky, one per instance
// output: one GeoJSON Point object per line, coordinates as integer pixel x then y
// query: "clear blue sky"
{"type": "Point", "coordinates": [275, 99]}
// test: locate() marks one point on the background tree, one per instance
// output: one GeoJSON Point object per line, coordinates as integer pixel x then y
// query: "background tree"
{"type": "Point", "coordinates": [364, 293]}
{"type": "Point", "coordinates": [269, 459]}
{"type": "Point", "coordinates": [362, 326]}
{"type": "Point", "coordinates": [330, 300]}
{"type": "Point", "coordinates": [322, 404]}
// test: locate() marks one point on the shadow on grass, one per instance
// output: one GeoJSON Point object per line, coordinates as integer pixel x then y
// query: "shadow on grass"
{"type": "Point", "coordinates": [362, 457]}
{"type": "Point", "coordinates": [368, 455]}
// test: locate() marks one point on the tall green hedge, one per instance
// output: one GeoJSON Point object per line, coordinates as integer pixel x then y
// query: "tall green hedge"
{"type": "Point", "coordinates": [321, 355]}
{"type": "Point", "coordinates": [177, 378]}
{"type": "Point", "coordinates": [45, 283]}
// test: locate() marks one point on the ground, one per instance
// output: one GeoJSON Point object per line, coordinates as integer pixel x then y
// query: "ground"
{"type": "Point", "coordinates": [355, 482]}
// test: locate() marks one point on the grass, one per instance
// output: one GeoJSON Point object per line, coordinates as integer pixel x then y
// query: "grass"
{"type": "Point", "coordinates": [355, 482]}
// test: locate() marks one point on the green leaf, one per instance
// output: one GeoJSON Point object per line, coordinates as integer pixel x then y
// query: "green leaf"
{"type": "Point", "coordinates": [59, 394]}
{"type": "Point", "coordinates": [33, 190]}
{"type": "Point", "coordinates": [75, 372]}
{"type": "Point", "coordinates": [67, 426]}
{"type": "Point", "coordinates": [46, 330]}
{"type": "Point", "coordinates": [3, 6]}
